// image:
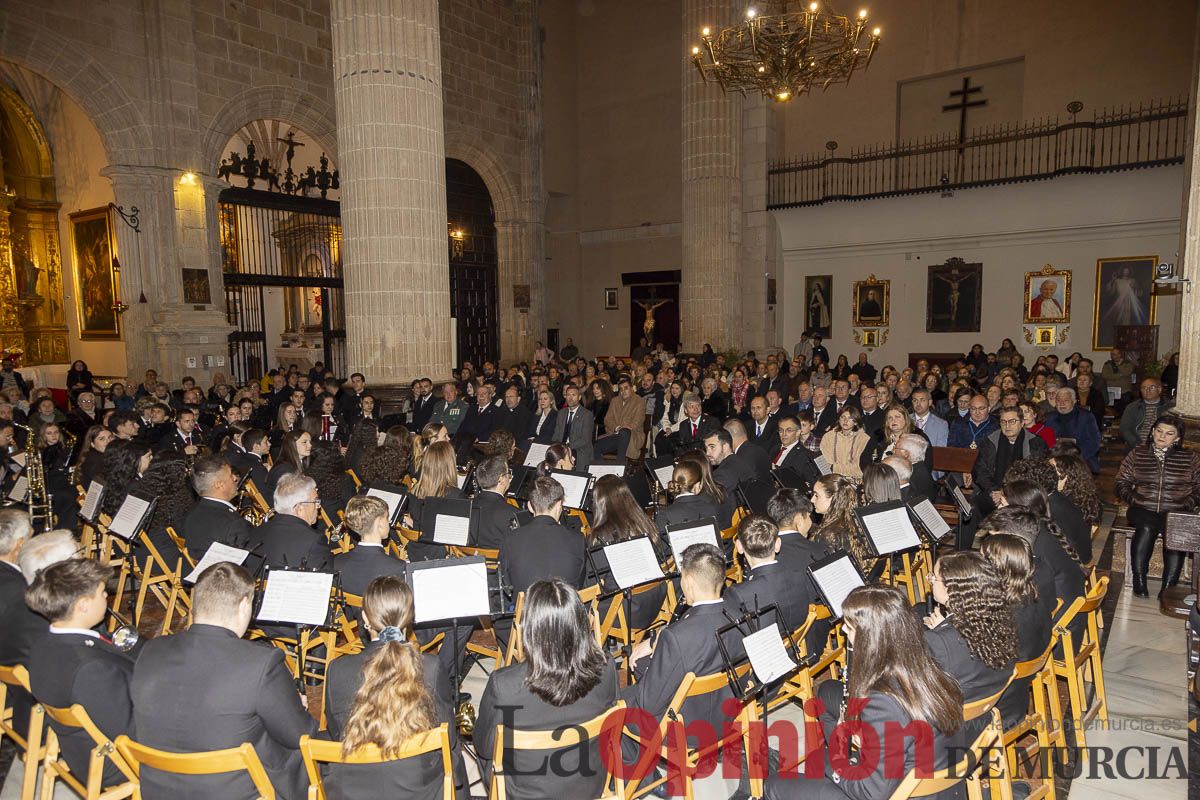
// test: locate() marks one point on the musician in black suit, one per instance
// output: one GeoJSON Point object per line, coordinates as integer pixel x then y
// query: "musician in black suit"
{"type": "Point", "coordinates": [246, 456]}
{"type": "Point", "coordinates": [693, 500]}
{"type": "Point", "coordinates": [492, 517]}
{"type": "Point", "coordinates": [791, 453]}
{"type": "Point", "coordinates": [914, 449]}
{"type": "Point", "coordinates": [543, 548]}
{"type": "Point", "coordinates": [368, 518]}
{"type": "Point", "coordinates": [205, 688]}
{"type": "Point", "coordinates": [185, 437]}
{"type": "Point", "coordinates": [349, 400]}
{"type": "Point", "coordinates": [751, 453]}
{"type": "Point", "coordinates": [761, 427]}
{"type": "Point", "coordinates": [72, 663]}
{"type": "Point", "coordinates": [213, 518]}
{"type": "Point", "coordinates": [769, 582]}
{"type": "Point", "coordinates": [729, 469]}
{"type": "Point", "coordinates": [389, 659]}
{"type": "Point", "coordinates": [288, 540]}
{"type": "Point", "coordinates": [565, 680]}
{"type": "Point", "coordinates": [691, 431]}
{"type": "Point", "coordinates": [688, 644]}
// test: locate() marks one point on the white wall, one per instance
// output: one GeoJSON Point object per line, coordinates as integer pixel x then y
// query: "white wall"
{"type": "Point", "coordinates": [1068, 222]}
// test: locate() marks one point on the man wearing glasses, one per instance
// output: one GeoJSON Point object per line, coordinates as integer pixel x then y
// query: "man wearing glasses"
{"type": "Point", "coordinates": [997, 452]}
{"type": "Point", "coordinates": [288, 539]}
{"type": "Point", "coordinates": [492, 518]}
{"type": "Point", "coordinates": [83, 416]}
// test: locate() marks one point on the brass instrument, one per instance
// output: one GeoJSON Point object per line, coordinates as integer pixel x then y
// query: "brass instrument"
{"type": "Point", "coordinates": [35, 474]}
{"type": "Point", "coordinates": [464, 716]}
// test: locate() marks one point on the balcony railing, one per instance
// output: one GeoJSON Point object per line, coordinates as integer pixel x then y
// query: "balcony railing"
{"type": "Point", "coordinates": [1117, 139]}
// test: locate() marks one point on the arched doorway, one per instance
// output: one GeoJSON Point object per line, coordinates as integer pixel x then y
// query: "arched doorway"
{"type": "Point", "coordinates": [473, 260]}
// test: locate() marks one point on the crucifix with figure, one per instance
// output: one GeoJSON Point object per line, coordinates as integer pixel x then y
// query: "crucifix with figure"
{"type": "Point", "coordinates": [964, 102]}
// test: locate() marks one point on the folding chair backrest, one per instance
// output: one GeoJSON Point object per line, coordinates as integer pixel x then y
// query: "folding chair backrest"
{"type": "Point", "coordinates": [317, 752]}
{"type": "Point", "coordinates": [986, 742]}
{"type": "Point", "coordinates": [77, 717]}
{"type": "Point", "coordinates": [557, 739]}
{"type": "Point", "coordinates": [977, 708]}
{"type": "Point", "coordinates": [235, 759]}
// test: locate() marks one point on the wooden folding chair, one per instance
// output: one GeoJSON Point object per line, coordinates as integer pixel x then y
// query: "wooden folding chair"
{"type": "Point", "coordinates": [908, 574]}
{"type": "Point", "coordinates": [801, 685]}
{"type": "Point", "coordinates": [90, 786]}
{"type": "Point", "coordinates": [165, 584]}
{"type": "Point", "coordinates": [257, 496]}
{"type": "Point", "coordinates": [990, 770]}
{"type": "Point", "coordinates": [615, 624]}
{"type": "Point", "coordinates": [30, 745]}
{"type": "Point", "coordinates": [584, 526]}
{"type": "Point", "coordinates": [317, 752]}
{"type": "Point", "coordinates": [213, 762]}
{"type": "Point", "coordinates": [181, 545]}
{"type": "Point", "coordinates": [550, 740]}
{"type": "Point", "coordinates": [1043, 723]}
{"type": "Point", "coordinates": [672, 725]}
{"type": "Point", "coordinates": [1081, 660]}
{"type": "Point", "coordinates": [354, 477]}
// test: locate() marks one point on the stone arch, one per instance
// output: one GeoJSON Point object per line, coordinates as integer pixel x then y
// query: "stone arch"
{"type": "Point", "coordinates": [468, 149]}
{"type": "Point", "coordinates": [123, 131]}
{"type": "Point", "coordinates": [284, 103]}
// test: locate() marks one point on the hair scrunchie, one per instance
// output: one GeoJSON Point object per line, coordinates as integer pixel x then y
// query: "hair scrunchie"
{"type": "Point", "coordinates": [391, 634]}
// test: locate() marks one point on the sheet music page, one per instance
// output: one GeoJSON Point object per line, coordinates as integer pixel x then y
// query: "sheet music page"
{"type": "Point", "coordinates": [683, 539]}
{"type": "Point", "coordinates": [931, 519]}
{"type": "Point", "coordinates": [964, 505]}
{"type": "Point", "coordinates": [451, 530]}
{"type": "Point", "coordinates": [574, 488]}
{"type": "Point", "coordinates": [299, 598]}
{"type": "Point", "coordinates": [462, 480]}
{"type": "Point", "coordinates": [217, 552]}
{"type": "Point", "coordinates": [836, 581]}
{"type": "Point", "coordinates": [664, 475]}
{"type": "Point", "coordinates": [633, 562]}
{"type": "Point", "coordinates": [19, 489]}
{"type": "Point", "coordinates": [392, 499]}
{"type": "Point", "coordinates": [457, 591]}
{"type": "Point", "coordinates": [129, 517]}
{"type": "Point", "coordinates": [18, 458]}
{"type": "Point", "coordinates": [768, 656]}
{"type": "Point", "coordinates": [600, 470]}
{"type": "Point", "coordinates": [822, 464]}
{"type": "Point", "coordinates": [91, 500]}
{"type": "Point", "coordinates": [536, 454]}
{"type": "Point", "coordinates": [891, 530]}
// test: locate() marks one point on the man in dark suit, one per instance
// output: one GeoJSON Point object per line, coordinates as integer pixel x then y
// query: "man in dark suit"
{"type": "Point", "coordinates": [774, 381]}
{"type": "Point", "coordinates": [688, 644]}
{"type": "Point", "coordinates": [422, 403]}
{"type": "Point", "coordinates": [480, 421]}
{"type": "Point", "coordinates": [492, 517]}
{"type": "Point", "coordinates": [288, 540]}
{"type": "Point", "coordinates": [769, 582]}
{"type": "Point", "coordinates": [350, 400]}
{"type": "Point", "coordinates": [367, 517]}
{"type": "Point", "coordinates": [729, 469]}
{"type": "Point", "coordinates": [185, 437]}
{"type": "Point", "coordinates": [213, 518]}
{"type": "Point", "coordinates": [761, 428]}
{"type": "Point", "coordinates": [744, 449]}
{"type": "Point", "coordinates": [695, 425]}
{"type": "Point", "coordinates": [543, 548]}
{"type": "Point", "coordinates": [21, 626]}
{"type": "Point", "coordinates": [575, 426]}
{"type": "Point", "coordinates": [824, 412]}
{"type": "Point", "coordinates": [72, 663]}
{"type": "Point", "coordinates": [915, 448]}
{"type": "Point", "coordinates": [514, 416]}
{"type": "Point", "coordinates": [206, 688]}
{"type": "Point", "coordinates": [791, 454]}
{"type": "Point", "coordinates": [247, 458]}
{"type": "Point", "coordinates": [872, 414]}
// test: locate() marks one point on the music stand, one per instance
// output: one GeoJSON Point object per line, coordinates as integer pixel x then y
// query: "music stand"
{"type": "Point", "coordinates": [835, 576]}
{"type": "Point", "coordinates": [446, 521]}
{"type": "Point", "coordinates": [306, 599]}
{"type": "Point", "coordinates": [88, 510]}
{"type": "Point", "coordinates": [522, 477]}
{"type": "Point", "coordinates": [767, 635]}
{"type": "Point", "coordinates": [789, 478]}
{"type": "Point", "coordinates": [681, 535]}
{"type": "Point", "coordinates": [396, 504]}
{"type": "Point", "coordinates": [930, 521]}
{"type": "Point", "coordinates": [577, 488]}
{"type": "Point", "coordinates": [451, 590]}
{"type": "Point", "coordinates": [637, 566]}
{"type": "Point", "coordinates": [660, 469]}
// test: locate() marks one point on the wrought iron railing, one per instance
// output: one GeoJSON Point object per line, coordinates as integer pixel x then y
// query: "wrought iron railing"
{"type": "Point", "coordinates": [1116, 139]}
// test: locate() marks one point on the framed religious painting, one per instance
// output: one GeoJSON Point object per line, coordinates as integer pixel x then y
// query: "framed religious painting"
{"type": "Point", "coordinates": [1124, 296]}
{"type": "Point", "coordinates": [818, 313]}
{"type": "Point", "coordinates": [94, 248]}
{"type": "Point", "coordinates": [872, 303]}
{"type": "Point", "coordinates": [954, 297]}
{"type": "Point", "coordinates": [1048, 295]}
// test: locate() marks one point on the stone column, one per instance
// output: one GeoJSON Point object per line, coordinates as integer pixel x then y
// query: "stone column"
{"type": "Point", "coordinates": [710, 297]}
{"type": "Point", "coordinates": [760, 237]}
{"type": "Point", "coordinates": [1187, 399]}
{"type": "Point", "coordinates": [387, 65]}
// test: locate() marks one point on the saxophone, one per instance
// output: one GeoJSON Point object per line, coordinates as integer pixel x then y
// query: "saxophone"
{"type": "Point", "coordinates": [35, 475]}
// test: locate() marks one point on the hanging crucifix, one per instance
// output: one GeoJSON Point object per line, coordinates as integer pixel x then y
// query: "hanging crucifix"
{"type": "Point", "coordinates": [964, 102]}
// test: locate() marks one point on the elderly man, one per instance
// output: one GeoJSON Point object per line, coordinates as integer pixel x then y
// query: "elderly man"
{"type": "Point", "coordinates": [450, 410]}
{"type": "Point", "coordinates": [913, 448]}
{"type": "Point", "coordinates": [624, 423]}
{"type": "Point", "coordinates": [824, 412]}
{"type": "Point", "coordinates": [1140, 415]}
{"type": "Point", "coordinates": [969, 431]}
{"type": "Point", "coordinates": [1069, 421]}
{"type": "Point", "coordinates": [695, 426]}
{"type": "Point", "coordinates": [288, 539]}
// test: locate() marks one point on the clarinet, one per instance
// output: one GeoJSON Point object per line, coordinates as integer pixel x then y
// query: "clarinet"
{"type": "Point", "coordinates": [845, 683]}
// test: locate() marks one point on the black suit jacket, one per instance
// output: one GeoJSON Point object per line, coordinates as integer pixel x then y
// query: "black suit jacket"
{"type": "Point", "coordinates": [1069, 579]}
{"type": "Point", "coordinates": [1071, 522]}
{"type": "Point", "coordinates": [733, 471]}
{"type": "Point", "coordinates": [514, 420]}
{"type": "Point", "coordinates": [950, 651]}
{"type": "Point", "coordinates": [921, 483]}
{"type": "Point", "coordinates": [243, 463]}
{"type": "Point", "coordinates": [206, 689]}
{"type": "Point", "coordinates": [507, 700]}
{"type": "Point", "coordinates": [824, 420]}
{"type": "Point", "coordinates": [756, 456]}
{"type": "Point", "coordinates": [684, 438]}
{"type": "Point", "coordinates": [364, 564]}
{"type": "Point", "coordinates": [422, 410]}
{"type": "Point", "coordinates": [21, 627]}
{"type": "Point", "coordinates": [769, 441]}
{"type": "Point", "coordinates": [419, 778]}
{"type": "Point", "coordinates": [542, 548]}
{"type": "Point", "coordinates": [491, 520]}
{"type": "Point", "coordinates": [69, 668]}
{"type": "Point", "coordinates": [288, 541]}
{"type": "Point", "coordinates": [1034, 629]}
{"type": "Point", "coordinates": [688, 508]}
{"type": "Point", "coordinates": [873, 422]}
{"type": "Point", "coordinates": [775, 584]}
{"type": "Point", "coordinates": [779, 383]}
{"type": "Point", "coordinates": [173, 439]}
{"type": "Point", "coordinates": [212, 521]}
{"type": "Point", "coordinates": [547, 434]}
{"type": "Point", "coordinates": [800, 459]}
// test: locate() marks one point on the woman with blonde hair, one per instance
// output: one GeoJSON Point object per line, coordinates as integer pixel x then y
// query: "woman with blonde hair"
{"type": "Point", "coordinates": [433, 432]}
{"type": "Point", "coordinates": [896, 423]}
{"type": "Point", "coordinates": [439, 478]}
{"type": "Point", "coordinates": [385, 695]}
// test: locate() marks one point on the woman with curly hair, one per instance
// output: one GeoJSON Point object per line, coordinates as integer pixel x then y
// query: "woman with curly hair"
{"type": "Point", "coordinates": [971, 633]}
{"type": "Point", "coordinates": [1051, 546]}
{"type": "Point", "coordinates": [385, 695]}
{"type": "Point", "coordinates": [386, 466]}
{"type": "Point", "coordinates": [169, 479]}
{"type": "Point", "coordinates": [124, 462]}
{"type": "Point", "coordinates": [835, 498]}
{"type": "Point", "coordinates": [327, 467]}
{"type": "Point", "coordinates": [1076, 483]}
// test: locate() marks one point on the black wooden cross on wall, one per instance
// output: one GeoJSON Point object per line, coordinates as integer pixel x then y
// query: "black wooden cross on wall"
{"type": "Point", "coordinates": [964, 102]}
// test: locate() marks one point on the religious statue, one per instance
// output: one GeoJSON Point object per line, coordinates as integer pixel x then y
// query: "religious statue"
{"type": "Point", "coordinates": [648, 325]}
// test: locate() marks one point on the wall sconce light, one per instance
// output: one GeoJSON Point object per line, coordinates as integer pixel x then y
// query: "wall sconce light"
{"type": "Point", "coordinates": [188, 179]}
{"type": "Point", "coordinates": [457, 238]}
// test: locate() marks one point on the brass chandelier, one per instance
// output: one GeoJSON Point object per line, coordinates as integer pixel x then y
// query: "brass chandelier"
{"type": "Point", "coordinates": [783, 53]}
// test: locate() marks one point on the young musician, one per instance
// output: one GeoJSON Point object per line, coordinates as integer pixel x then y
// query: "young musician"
{"type": "Point", "coordinates": [695, 497]}
{"type": "Point", "coordinates": [768, 582]}
{"type": "Point", "coordinates": [616, 517]}
{"type": "Point", "coordinates": [369, 559]}
{"type": "Point", "coordinates": [492, 517]}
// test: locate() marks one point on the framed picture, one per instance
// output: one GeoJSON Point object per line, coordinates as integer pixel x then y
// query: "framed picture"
{"type": "Point", "coordinates": [610, 299]}
{"type": "Point", "coordinates": [1044, 336]}
{"type": "Point", "coordinates": [870, 338]}
{"type": "Point", "coordinates": [872, 302]}
{"type": "Point", "coordinates": [1124, 296]}
{"type": "Point", "coordinates": [96, 288]}
{"type": "Point", "coordinates": [818, 292]}
{"type": "Point", "coordinates": [195, 287]}
{"type": "Point", "coordinates": [521, 295]}
{"type": "Point", "coordinates": [954, 297]}
{"type": "Point", "coordinates": [1048, 295]}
